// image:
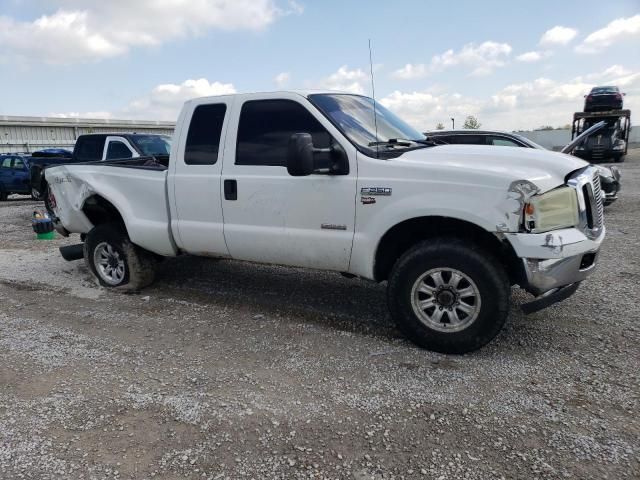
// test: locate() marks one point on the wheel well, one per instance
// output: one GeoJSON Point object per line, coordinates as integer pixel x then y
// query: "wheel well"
{"type": "Point", "coordinates": [403, 236]}
{"type": "Point", "coordinates": [100, 211]}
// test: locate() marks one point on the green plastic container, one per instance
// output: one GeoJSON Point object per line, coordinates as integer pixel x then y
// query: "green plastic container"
{"type": "Point", "coordinates": [46, 236]}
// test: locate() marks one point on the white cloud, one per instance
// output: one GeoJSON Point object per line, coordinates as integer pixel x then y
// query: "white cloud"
{"type": "Point", "coordinates": [98, 114]}
{"type": "Point", "coordinates": [425, 109]}
{"type": "Point", "coordinates": [164, 101]}
{"type": "Point", "coordinates": [101, 29]}
{"type": "Point", "coordinates": [558, 35]}
{"type": "Point", "coordinates": [612, 72]}
{"type": "Point", "coordinates": [346, 80]}
{"type": "Point", "coordinates": [483, 59]}
{"type": "Point", "coordinates": [531, 57]}
{"type": "Point", "coordinates": [621, 29]}
{"type": "Point", "coordinates": [282, 79]}
{"type": "Point", "coordinates": [411, 71]}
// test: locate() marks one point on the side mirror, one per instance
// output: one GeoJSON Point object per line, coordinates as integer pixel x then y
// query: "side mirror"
{"type": "Point", "coordinates": [301, 157]}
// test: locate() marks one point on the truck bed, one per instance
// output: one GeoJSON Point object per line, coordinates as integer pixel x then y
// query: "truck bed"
{"type": "Point", "coordinates": [137, 188]}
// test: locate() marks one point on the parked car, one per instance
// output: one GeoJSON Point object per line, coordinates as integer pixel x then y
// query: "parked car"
{"type": "Point", "coordinates": [310, 180]}
{"type": "Point", "coordinates": [603, 98]}
{"type": "Point", "coordinates": [95, 147]}
{"type": "Point", "coordinates": [609, 176]}
{"type": "Point", "coordinates": [52, 152]}
{"type": "Point", "coordinates": [14, 175]}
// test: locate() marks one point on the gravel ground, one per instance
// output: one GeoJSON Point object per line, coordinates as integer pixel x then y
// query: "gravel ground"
{"type": "Point", "coordinates": [231, 370]}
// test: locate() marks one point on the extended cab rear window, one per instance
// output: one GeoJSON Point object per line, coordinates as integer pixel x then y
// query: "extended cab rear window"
{"type": "Point", "coordinates": [203, 139]}
{"type": "Point", "coordinates": [89, 148]}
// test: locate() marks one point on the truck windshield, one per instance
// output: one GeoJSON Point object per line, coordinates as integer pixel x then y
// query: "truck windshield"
{"type": "Point", "coordinates": [354, 116]}
{"type": "Point", "coordinates": [152, 145]}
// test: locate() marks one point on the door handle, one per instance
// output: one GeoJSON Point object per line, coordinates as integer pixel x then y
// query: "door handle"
{"type": "Point", "coordinates": [230, 190]}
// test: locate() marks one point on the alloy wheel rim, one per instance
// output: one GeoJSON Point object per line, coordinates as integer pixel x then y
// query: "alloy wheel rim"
{"type": "Point", "coordinates": [109, 264]}
{"type": "Point", "coordinates": [446, 299]}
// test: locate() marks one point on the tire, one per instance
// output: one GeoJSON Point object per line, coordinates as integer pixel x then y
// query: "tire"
{"type": "Point", "coordinates": [4, 195]}
{"type": "Point", "coordinates": [479, 273]}
{"type": "Point", "coordinates": [130, 267]}
{"type": "Point", "coordinates": [619, 159]}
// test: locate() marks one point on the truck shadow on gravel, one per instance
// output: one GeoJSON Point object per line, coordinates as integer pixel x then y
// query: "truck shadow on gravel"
{"type": "Point", "coordinates": [323, 298]}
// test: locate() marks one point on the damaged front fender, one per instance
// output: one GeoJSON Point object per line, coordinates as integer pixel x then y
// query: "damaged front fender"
{"type": "Point", "coordinates": [513, 205]}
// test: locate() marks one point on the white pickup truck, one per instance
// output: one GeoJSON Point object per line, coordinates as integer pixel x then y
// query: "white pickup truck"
{"type": "Point", "coordinates": [323, 180]}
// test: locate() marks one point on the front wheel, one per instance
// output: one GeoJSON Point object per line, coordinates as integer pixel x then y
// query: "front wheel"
{"type": "Point", "coordinates": [115, 261]}
{"type": "Point", "coordinates": [449, 296]}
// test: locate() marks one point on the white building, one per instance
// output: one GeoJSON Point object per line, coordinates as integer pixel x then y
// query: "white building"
{"type": "Point", "coordinates": [28, 134]}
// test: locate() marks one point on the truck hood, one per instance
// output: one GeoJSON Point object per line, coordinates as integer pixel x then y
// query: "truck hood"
{"type": "Point", "coordinates": [543, 168]}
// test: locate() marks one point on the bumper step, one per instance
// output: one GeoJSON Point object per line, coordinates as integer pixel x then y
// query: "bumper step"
{"type": "Point", "coordinates": [549, 298]}
{"type": "Point", "coordinates": [72, 252]}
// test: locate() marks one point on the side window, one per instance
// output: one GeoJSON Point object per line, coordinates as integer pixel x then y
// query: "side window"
{"type": "Point", "coordinates": [90, 148]}
{"type": "Point", "coordinates": [18, 164]}
{"type": "Point", "coordinates": [266, 126]}
{"type": "Point", "coordinates": [118, 149]}
{"type": "Point", "coordinates": [442, 139]}
{"type": "Point", "coordinates": [503, 142]}
{"type": "Point", "coordinates": [470, 140]}
{"type": "Point", "coordinates": [203, 139]}
{"type": "Point", "coordinates": [6, 163]}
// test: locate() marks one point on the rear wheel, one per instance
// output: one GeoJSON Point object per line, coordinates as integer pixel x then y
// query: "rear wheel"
{"type": "Point", "coordinates": [449, 296]}
{"type": "Point", "coordinates": [115, 261]}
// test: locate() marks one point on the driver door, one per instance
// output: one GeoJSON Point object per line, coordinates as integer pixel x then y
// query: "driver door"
{"type": "Point", "coordinates": [270, 216]}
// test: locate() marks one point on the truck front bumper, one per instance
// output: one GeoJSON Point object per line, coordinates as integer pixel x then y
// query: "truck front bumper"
{"type": "Point", "coordinates": [554, 261]}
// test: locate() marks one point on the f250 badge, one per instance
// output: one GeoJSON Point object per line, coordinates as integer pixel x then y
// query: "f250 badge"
{"type": "Point", "coordinates": [375, 191]}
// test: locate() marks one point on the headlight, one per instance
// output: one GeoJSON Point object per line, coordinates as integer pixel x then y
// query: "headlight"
{"type": "Point", "coordinates": [618, 146]}
{"type": "Point", "coordinates": [552, 210]}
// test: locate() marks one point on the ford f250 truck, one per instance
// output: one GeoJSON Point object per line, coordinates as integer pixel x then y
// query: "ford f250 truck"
{"type": "Point", "coordinates": [327, 181]}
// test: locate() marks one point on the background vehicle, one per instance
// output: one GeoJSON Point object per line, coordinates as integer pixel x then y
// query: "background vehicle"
{"type": "Point", "coordinates": [609, 142]}
{"type": "Point", "coordinates": [98, 146]}
{"type": "Point", "coordinates": [310, 180]}
{"type": "Point", "coordinates": [481, 137]}
{"type": "Point", "coordinates": [14, 175]}
{"type": "Point", "coordinates": [603, 99]}
{"type": "Point", "coordinates": [609, 176]}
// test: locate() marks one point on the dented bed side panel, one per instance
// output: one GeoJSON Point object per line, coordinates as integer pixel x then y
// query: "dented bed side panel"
{"type": "Point", "coordinates": [138, 194]}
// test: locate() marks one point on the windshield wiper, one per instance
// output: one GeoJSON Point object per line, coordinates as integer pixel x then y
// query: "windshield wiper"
{"type": "Point", "coordinates": [403, 142]}
{"type": "Point", "coordinates": [393, 142]}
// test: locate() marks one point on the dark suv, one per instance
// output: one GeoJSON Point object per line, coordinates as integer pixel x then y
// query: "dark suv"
{"type": "Point", "coordinates": [14, 175]}
{"type": "Point", "coordinates": [602, 99]}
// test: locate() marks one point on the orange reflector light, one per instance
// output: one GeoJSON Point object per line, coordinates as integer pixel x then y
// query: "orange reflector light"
{"type": "Point", "coordinates": [528, 209]}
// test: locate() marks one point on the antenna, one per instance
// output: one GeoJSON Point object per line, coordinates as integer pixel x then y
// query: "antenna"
{"type": "Point", "coordinates": [373, 94]}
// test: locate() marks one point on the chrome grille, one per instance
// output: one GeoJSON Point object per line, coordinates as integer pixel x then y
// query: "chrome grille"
{"type": "Point", "coordinates": [591, 201]}
{"type": "Point", "coordinates": [598, 213]}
